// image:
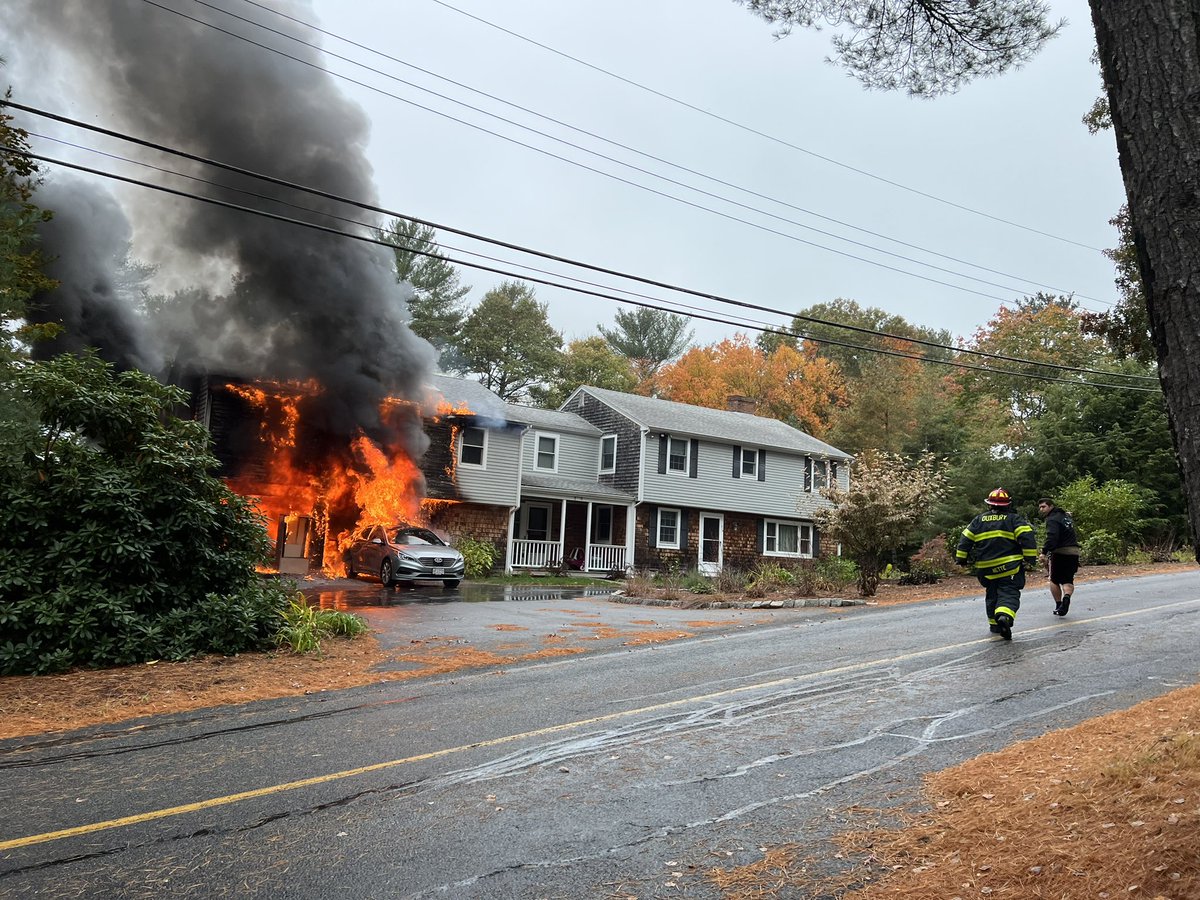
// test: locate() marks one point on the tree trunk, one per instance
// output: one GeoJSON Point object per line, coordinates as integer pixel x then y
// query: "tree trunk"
{"type": "Point", "coordinates": [1150, 55]}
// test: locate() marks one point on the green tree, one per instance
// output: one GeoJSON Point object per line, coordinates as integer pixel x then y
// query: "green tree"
{"type": "Point", "coordinates": [436, 299]}
{"type": "Point", "coordinates": [118, 544]}
{"type": "Point", "coordinates": [821, 321]}
{"type": "Point", "coordinates": [1113, 506]}
{"type": "Point", "coordinates": [21, 262]}
{"type": "Point", "coordinates": [932, 46]}
{"type": "Point", "coordinates": [1125, 327]}
{"type": "Point", "coordinates": [1107, 435]}
{"type": "Point", "coordinates": [882, 512]}
{"type": "Point", "coordinates": [508, 342]}
{"type": "Point", "coordinates": [648, 338]}
{"type": "Point", "coordinates": [1042, 328]}
{"type": "Point", "coordinates": [925, 47]}
{"type": "Point", "coordinates": [590, 361]}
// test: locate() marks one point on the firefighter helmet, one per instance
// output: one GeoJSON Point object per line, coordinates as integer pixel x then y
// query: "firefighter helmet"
{"type": "Point", "coordinates": [998, 497]}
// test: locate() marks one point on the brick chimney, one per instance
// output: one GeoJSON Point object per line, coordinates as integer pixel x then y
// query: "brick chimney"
{"type": "Point", "coordinates": [738, 403]}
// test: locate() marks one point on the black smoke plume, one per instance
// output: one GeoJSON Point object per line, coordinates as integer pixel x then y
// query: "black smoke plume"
{"type": "Point", "coordinates": [244, 296]}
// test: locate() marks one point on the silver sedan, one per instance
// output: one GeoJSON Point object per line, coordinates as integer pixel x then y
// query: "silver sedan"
{"type": "Point", "coordinates": [403, 553]}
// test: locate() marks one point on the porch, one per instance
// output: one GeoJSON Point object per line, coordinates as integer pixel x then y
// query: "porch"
{"type": "Point", "coordinates": [577, 535]}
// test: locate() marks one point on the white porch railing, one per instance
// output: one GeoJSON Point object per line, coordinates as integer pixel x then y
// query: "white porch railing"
{"type": "Point", "coordinates": [535, 554]}
{"type": "Point", "coordinates": [606, 557]}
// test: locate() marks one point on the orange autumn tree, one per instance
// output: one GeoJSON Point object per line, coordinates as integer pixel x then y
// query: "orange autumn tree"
{"type": "Point", "coordinates": [794, 386]}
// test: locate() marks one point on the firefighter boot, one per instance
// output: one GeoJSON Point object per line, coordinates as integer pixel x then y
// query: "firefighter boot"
{"type": "Point", "coordinates": [1004, 623]}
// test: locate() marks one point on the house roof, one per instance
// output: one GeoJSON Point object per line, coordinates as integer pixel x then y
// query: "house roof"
{"type": "Point", "coordinates": [721, 424]}
{"type": "Point", "coordinates": [554, 419]}
{"type": "Point", "coordinates": [582, 488]}
{"type": "Point", "coordinates": [460, 392]}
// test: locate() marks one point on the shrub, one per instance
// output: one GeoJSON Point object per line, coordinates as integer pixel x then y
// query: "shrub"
{"type": "Point", "coordinates": [837, 571]}
{"type": "Point", "coordinates": [639, 584]}
{"type": "Point", "coordinates": [118, 544]}
{"type": "Point", "coordinates": [937, 553]}
{"type": "Point", "coordinates": [478, 556]}
{"type": "Point", "coordinates": [923, 571]}
{"type": "Point", "coordinates": [697, 583]}
{"type": "Point", "coordinates": [730, 581]}
{"type": "Point", "coordinates": [769, 577]}
{"type": "Point", "coordinates": [1101, 548]}
{"type": "Point", "coordinates": [304, 626]}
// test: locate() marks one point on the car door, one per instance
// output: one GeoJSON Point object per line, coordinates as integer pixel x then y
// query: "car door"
{"type": "Point", "coordinates": [374, 549]}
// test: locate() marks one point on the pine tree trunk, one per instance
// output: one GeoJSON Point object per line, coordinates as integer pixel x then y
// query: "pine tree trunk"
{"type": "Point", "coordinates": [1150, 56]}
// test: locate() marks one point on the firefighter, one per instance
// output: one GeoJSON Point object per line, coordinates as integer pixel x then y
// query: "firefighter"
{"type": "Point", "coordinates": [998, 545]}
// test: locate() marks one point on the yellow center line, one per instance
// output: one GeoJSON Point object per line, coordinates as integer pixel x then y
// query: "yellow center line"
{"type": "Point", "coordinates": [228, 799]}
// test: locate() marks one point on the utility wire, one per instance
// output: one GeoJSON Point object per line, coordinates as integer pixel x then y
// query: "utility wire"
{"type": "Point", "coordinates": [599, 137]}
{"type": "Point", "coordinates": [565, 260]}
{"type": "Point", "coordinates": [545, 282]}
{"type": "Point", "coordinates": [560, 259]}
{"type": "Point", "coordinates": [618, 178]}
{"type": "Point", "coordinates": [762, 134]}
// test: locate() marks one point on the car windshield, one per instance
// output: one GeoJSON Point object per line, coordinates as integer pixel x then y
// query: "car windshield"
{"type": "Point", "coordinates": [411, 536]}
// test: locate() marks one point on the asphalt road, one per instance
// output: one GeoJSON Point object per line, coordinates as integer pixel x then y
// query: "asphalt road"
{"type": "Point", "coordinates": [626, 772]}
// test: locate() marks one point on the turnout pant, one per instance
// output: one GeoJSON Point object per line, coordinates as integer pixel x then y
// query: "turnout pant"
{"type": "Point", "coordinates": [1002, 595]}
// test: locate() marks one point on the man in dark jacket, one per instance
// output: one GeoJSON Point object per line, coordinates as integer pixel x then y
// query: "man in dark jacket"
{"type": "Point", "coordinates": [1062, 553]}
{"type": "Point", "coordinates": [998, 545]}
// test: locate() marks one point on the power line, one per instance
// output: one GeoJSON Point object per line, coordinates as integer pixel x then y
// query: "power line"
{"type": "Point", "coordinates": [317, 29]}
{"type": "Point", "coordinates": [763, 134]}
{"type": "Point", "coordinates": [545, 282]}
{"type": "Point", "coordinates": [552, 257]}
{"type": "Point", "coordinates": [611, 175]}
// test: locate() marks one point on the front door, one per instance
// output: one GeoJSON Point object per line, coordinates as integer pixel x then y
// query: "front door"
{"type": "Point", "coordinates": [712, 543]}
{"type": "Point", "coordinates": [535, 522]}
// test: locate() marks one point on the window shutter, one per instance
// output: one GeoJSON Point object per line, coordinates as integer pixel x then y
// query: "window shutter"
{"type": "Point", "coordinates": [652, 527]}
{"type": "Point", "coordinates": [662, 454]}
{"type": "Point", "coordinates": [683, 530]}
{"type": "Point", "coordinates": [737, 462]}
{"type": "Point", "coordinates": [695, 458]}
{"type": "Point", "coordinates": [762, 536]}
{"type": "Point", "coordinates": [762, 465]}
{"type": "Point", "coordinates": [808, 474]}
{"type": "Point", "coordinates": [816, 543]}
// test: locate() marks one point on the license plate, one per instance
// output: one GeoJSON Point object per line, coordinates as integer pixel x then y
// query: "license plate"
{"type": "Point", "coordinates": [439, 571]}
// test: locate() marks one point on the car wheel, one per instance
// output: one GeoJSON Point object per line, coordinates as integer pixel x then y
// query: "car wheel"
{"type": "Point", "coordinates": [451, 582]}
{"type": "Point", "coordinates": [351, 572]}
{"type": "Point", "coordinates": [385, 573]}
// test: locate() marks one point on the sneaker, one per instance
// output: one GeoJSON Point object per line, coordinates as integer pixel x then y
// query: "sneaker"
{"type": "Point", "coordinates": [1065, 605]}
{"type": "Point", "coordinates": [1058, 609]}
{"type": "Point", "coordinates": [1004, 626]}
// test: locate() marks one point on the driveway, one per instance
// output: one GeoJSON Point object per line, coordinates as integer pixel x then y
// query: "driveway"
{"type": "Point", "coordinates": [528, 621]}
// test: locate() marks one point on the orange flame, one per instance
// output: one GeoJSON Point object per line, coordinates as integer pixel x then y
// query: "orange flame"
{"type": "Point", "coordinates": [369, 484]}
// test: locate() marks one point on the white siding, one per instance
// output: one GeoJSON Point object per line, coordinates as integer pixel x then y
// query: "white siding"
{"type": "Point", "coordinates": [781, 495]}
{"type": "Point", "coordinates": [578, 454]}
{"type": "Point", "coordinates": [499, 481]}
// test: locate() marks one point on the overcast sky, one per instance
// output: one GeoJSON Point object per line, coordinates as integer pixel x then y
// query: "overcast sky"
{"type": "Point", "coordinates": [824, 168]}
{"type": "Point", "coordinates": [1011, 147]}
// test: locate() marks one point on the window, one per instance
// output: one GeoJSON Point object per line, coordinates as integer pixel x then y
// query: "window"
{"type": "Point", "coordinates": [608, 453]}
{"type": "Point", "coordinates": [472, 444]}
{"type": "Point", "coordinates": [786, 539]}
{"type": "Point", "coordinates": [668, 528]}
{"type": "Point", "coordinates": [602, 523]}
{"type": "Point", "coordinates": [819, 474]}
{"type": "Point", "coordinates": [749, 463]}
{"type": "Point", "coordinates": [677, 455]}
{"type": "Point", "coordinates": [546, 454]}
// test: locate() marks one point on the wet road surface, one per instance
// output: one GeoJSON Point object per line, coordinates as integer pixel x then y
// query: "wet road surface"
{"type": "Point", "coordinates": [630, 771]}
